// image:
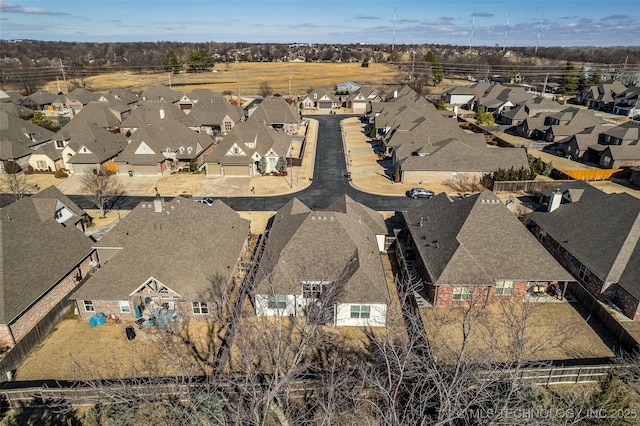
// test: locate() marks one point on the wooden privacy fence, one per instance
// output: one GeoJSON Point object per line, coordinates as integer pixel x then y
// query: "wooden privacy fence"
{"type": "Point", "coordinates": [526, 185]}
{"type": "Point", "coordinates": [77, 395]}
{"type": "Point", "coordinates": [553, 375]}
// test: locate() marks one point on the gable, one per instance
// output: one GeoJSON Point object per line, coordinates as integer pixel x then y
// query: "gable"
{"type": "Point", "coordinates": [143, 148]}
{"type": "Point", "coordinates": [154, 287]}
{"type": "Point", "coordinates": [236, 150]}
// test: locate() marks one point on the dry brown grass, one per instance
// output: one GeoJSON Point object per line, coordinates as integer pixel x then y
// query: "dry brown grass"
{"type": "Point", "coordinates": [248, 76]}
{"type": "Point", "coordinates": [554, 331]}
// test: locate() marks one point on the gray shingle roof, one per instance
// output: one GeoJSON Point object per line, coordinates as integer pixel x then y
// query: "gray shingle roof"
{"type": "Point", "coordinates": [14, 136]}
{"type": "Point", "coordinates": [184, 247]}
{"type": "Point", "coordinates": [102, 144]}
{"type": "Point", "coordinates": [276, 111]}
{"type": "Point", "coordinates": [37, 251]}
{"type": "Point", "coordinates": [477, 240]}
{"type": "Point", "coordinates": [322, 245]}
{"type": "Point", "coordinates": [594, 230]}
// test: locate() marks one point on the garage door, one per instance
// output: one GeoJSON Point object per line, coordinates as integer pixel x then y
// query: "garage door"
{"type": "Point", "coordinates": [83, 168]}
{"type": "Point", "coordinates": [213, 169]}
{"type": "Point", "coordinates": [230, 170]}
{"type": "Point", "coordinates": [145, 170]}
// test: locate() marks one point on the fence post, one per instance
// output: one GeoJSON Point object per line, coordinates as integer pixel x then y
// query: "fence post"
{"type": "Point", "coordinates": [549, 376]}
{"type": "Point", "coordinates": [578, 376]}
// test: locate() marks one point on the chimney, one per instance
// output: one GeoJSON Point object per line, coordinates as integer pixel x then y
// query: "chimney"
{"type": "Point", "coordinates": [555, 200]}
{"type": "Point", "coordinates": [162, 115]}
{"type": "Point", "coordinates": [158, 202]}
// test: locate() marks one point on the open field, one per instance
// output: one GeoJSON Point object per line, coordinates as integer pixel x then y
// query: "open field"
{"type": "Point", "coordinates": [245, 77]}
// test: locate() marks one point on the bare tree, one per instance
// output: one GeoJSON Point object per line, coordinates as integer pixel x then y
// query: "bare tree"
{"type": "Point", "coordinates": [101, 188]}
{"type": "Point", "coordinates": [265, 89]}
{"type": "Point", "coordinates": [14, 181]}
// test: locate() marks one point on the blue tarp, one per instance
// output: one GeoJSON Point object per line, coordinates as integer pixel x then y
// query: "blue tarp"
{"type": "Point", "coordinates": [97, 319]}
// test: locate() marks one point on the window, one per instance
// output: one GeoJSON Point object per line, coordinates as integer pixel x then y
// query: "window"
{"type": "Point", "coordinates": [311, 289]}
{"type": "Point", "coordinates": [605, 161]}
{"type": "Point", "coordinates": [279, 301]}
{"type": "Point", "coordinates": [227, 126]}
{"type": "Point", "coordinates": [42, 164]}
{"type": "Point", "coordinates": [454, 175]}
{"type": "Point", "coordinates": [504, 288]}
{"type": "Point", "coordinates": [88, 306]}
{"type": "Point", "coordinates": [200, 308]}
{"type": "Point", "coordinates": [462, 293]}
{"type": "Point", "coordinates": [124, 306]}
{"type": "Point", "coordinates": [583, 273]}
{"type": "Point", "coordinates": [59, 144]}
{"type": "Point", "coordinates": [360, 311]}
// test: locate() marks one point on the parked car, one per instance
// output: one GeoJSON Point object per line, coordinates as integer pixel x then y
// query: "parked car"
{"type": "Point", "coordinates": [420, 193]}
{"type": "Point", "coordinates": [207, 201]}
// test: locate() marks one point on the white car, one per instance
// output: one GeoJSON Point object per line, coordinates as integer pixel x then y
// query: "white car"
{"type": "Point", "coordinates": [206, 201]}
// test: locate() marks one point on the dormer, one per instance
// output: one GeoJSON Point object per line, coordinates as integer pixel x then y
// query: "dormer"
{"type": "Point", "coordinates": [62, 213]}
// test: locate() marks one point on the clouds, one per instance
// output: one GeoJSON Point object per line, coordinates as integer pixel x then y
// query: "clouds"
{"type": "Point", "coordinates": [9, 7]}
{"type": "Point", "coordinates": [600, 22]}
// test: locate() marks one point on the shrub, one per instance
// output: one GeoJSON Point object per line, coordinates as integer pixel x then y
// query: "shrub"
{"type": "Point", "coordinates": [61, 174]}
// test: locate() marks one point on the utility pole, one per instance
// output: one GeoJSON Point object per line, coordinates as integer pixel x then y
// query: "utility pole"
{"type": "Point", "coordinates": [64, 77]}
{"type": "Point", "coordinates": [237, 77]}
{"type": "Point", "coordinates": [413, 62]}
{"type": "Point", "coordinates": [289, 84]}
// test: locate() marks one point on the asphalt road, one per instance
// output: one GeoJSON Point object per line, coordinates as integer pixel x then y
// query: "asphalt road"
{"type": "Point", "coordinates": [329, 182]}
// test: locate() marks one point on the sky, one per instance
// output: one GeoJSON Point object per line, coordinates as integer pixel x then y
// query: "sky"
{"type": "Point", "coordinates": [465, 23]}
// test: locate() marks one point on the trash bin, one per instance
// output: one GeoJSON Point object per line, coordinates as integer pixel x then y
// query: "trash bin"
{"type": "Point", "coordinates": [130, 173]}
{"type": "Point", "coordinates": [131, 333]}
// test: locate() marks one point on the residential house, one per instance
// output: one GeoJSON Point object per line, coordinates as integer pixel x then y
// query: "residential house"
{"type": "Point", "coordinates": [196, 95]}
{"type": "Point", "coordinates": [279, 114]}
{"type": "Point", "coordinates": [601, 96]}
{"type": "Point", "coordinates": [348, 87]}
{"type": "Point", "coordinates": [153, 114]}
{"type": "Point", "coordinates": [495, 97]}
{"type": "Point", "coordinates": [86, 146]}
{"type": "Point", "coordinates": [473, 252]}
{"type": "Point", "coordinates": [18, 138]}
{"type": "Point", "coordinates": [324, 265]}
{"type": "Point", "coordinates": [109, 116]}
{"type": "Point", "coordinates": [124, 96]}
{"type": "Point", "coordinates": [319, 101]}
{"type": "Point", "coordinates": [249, 149]}
{"type": "Point", "coordinates": [215, 116]}
{"type": "Point", "coordinates": [556, 126]}
{"type": "Point", "coordinates": [618, 146]}
{"type": "Point", "coordinates": [595, 237]}
{"type": "Point", "coordinates": [166, 146]}
{"type": "Point", "coordinates": [627, 103]}
{"type": "Point", "coordinates": [452, 159]}
{"type": "Point", "coordinates": [38, 101]}
{"type": "Point", "coordinates": [576, 146]}
{"type": "Point", "coordinates": [165, 259]}
{"type": "Point", "coordinates": [46, 158]}
{"type": "Point", "coordinates": [359, 99]}
{"type": "Point", "coordinates": [78, 98]}
{"type": "Point", "coordinates": [161, 94]}
{"type": "Point", "coordinates": [45, 256]}
{"type": "Point", "coordinates": [516, 115]}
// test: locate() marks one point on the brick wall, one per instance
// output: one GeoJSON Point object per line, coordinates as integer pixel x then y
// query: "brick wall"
{"type": "Point", "coordinates": [480, 295]}
{"type": "Point", "coordinates": [593, 284]}
{"type": "Point", "coordinates": [21, 326]}
{"type": "Point", "coordinates": [108, 307]}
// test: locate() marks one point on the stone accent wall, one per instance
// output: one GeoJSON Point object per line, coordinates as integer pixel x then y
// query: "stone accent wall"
{"type": "Point", "coordinates": [25, 322]}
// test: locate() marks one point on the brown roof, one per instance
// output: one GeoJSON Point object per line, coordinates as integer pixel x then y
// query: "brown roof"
{"type": "Point", "coordinates": [37, 251]}
{"type": "Point", "coordinates": [184, 246]}
{"type": "Point", "coordinates": [325, 246]}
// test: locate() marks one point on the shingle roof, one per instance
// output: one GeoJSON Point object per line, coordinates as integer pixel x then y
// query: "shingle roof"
{"type": "Point", "coordinates": [184, 247]}
{"type": "Point", "coordinates": [252, 131]}
{"type": "Point", "coordinates": [322, 245]}
{"type": "Point", "coordinates": [477, 240]}
{"type": "Point", "coordinates": [276, 111]}
{"type": "Point", "coordinates": [153, 113]}
{"type": "Point", "coordinates": [14, 136]}
{"type": "Point", "coordinates": [99, 113]}
{"type": "Point", "coordinates": [161, 93]}
{"type": "Point", "coordinates": [37, 251]}
{"type": "Point", "coordinates": [454, 155]}
{"type": "Point", "coordinates": [149, 142]}
{"type": "Point", "coordinates": [212, 111]}
{"type": "Point", "coordinates": [101, 144]}
{"type": "Point", "coordinates": [595, 229]}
